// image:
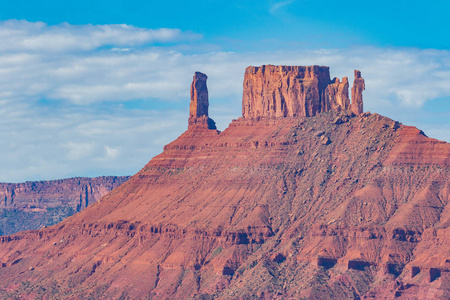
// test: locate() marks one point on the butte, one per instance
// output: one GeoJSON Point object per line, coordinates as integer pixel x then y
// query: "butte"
{"type": "Point", "coordinates": [304, 196]}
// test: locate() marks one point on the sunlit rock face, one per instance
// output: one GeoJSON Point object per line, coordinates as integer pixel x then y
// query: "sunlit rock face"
{"type": "Point", "coordinates": [357, 89]}
{"type": "Point", "coordinates": [198, 108]}
{"type": "Point", "coordinates": [296, 91]}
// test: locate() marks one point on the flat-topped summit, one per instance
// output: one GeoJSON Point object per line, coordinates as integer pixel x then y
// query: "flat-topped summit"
{"type": "Point", "coordinates": [282, 91]}
{"type": "Point", "coordinates": [296, 91]}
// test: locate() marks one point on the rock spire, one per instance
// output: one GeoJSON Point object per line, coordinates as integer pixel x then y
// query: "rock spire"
{"type": "Point", "coordinates": [198, 108]}
{"type": "Point", "coordinates": [357, 89]}
{"type": "Point", "coordinates": [199, 96]}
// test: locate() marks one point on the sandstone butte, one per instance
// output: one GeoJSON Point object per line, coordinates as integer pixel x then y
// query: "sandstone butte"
{"type": "Point", "coordinates": [304, 197]}
{"type": "Point", "coordinates": [33, 204]}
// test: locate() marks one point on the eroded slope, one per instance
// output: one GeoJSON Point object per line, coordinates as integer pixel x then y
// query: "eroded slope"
{"type": "Point", "coordinates": [329, 206]}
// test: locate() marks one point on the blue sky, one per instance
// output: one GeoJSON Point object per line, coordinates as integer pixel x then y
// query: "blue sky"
{"type": "Point", "coordinates": [92, 88]}
{"type": "Point", "coordinates": [312, 23]}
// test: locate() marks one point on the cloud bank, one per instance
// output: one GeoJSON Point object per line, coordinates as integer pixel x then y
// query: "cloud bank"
{"type": "Point", "coordinates": [94, 100]}
{"type": "Point", "coordinates": [20, 35]}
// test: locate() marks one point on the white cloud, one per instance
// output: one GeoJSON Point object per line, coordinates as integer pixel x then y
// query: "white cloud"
{"type": "Point", "coordinates": [78, 151]}
{"type": "Point", "coordinates": [111, 153]}
{"type": "Point", "coordinates": [279, 4]}
{"type": "Point", "coordinates": [20, 35]}
{"type": "Point", "coordinates": [85, 112]}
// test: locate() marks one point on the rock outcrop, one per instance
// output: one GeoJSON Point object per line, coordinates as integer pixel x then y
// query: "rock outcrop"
{"type": "Point", "coordinates": [33, 204]}
{"type": "Point", "coordinates": [295, 91]}
{"type": "Point", "coordinates": [336, 95]}
{"type": "Point", "coordinates": [357, 90]}
{"type": "Point", "coordinates": [198, 108]}
{"type": "Point", "coordinates": [333, 206]}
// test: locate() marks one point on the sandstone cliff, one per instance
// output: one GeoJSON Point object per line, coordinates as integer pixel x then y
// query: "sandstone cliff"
{"type": "Point", "coordinates": [333, 206]}
{"type": "Point", "coordinates": [296, 91]}
{"type": "Point", "coordinates": [33, 204]}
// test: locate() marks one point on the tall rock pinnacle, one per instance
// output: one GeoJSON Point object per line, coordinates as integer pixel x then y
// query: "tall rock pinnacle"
{"type": "Point", "coordinates": [357, 89]}
{"type": "Point", "coordinates": [199, 96]}
{"type": "Point", "coordinates": [198, 108]}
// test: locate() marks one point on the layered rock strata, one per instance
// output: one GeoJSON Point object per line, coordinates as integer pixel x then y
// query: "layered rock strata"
{"type": "Point", "coordinates": [334, 206]}
{"type": "Point", "coordinates": [296, 91]}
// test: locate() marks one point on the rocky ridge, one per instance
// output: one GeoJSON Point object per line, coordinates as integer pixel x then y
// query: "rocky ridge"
{"type": "Point", "coordinates": [333, 206]}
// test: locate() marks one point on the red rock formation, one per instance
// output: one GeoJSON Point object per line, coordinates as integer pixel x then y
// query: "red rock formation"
{"type": "Point", "coordinates": [334, 206]}
{"type": "Point", "coordinates": [336, 95]}
{"type": "Point", "coordinates": [285, 91]}
{"type": "Point", "coordinates": [199, 96]}
{"type": "Point", "coordinates": [357, 90]}
{"type": "Point", "coordinates": [76, 192]}
{"type": "Point", "coordinates": [35, 198]}
{"type": "Point", "coordinates": [198, 108]}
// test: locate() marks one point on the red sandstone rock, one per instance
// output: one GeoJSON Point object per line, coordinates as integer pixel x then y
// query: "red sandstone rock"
{"type": "Point", "coordinates": [264, 208]}
{"type": "Point", "coordinates": [198, 108]}
{"type": "Point", "coordinates": [357, 89]}
{"type": "Point", "coordinates": [285, 91]}
{"type": "Point", "coordinates": [199, 96]}
{"type": "Point", "coordinates": [336, 95]}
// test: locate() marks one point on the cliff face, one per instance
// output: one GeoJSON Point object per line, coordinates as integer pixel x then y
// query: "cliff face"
{"type": "Point", "coordinates": [296, 91]}
{"type": "Point", "coordinates": [33, 204]}
{"type": "Point", "coordinates": [334, 206]}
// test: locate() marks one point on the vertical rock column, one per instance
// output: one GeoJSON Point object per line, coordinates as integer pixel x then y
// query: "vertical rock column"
{"type": "Point", "coordinates": [198, 108]}
{"type": "Point", "coordinates": [199, 96]}
{"type": "Point", "coordinates": [357, 90]}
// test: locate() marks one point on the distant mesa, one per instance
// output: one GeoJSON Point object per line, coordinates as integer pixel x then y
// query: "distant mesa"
{"type": "Point", "coordinates": [34, 204]}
